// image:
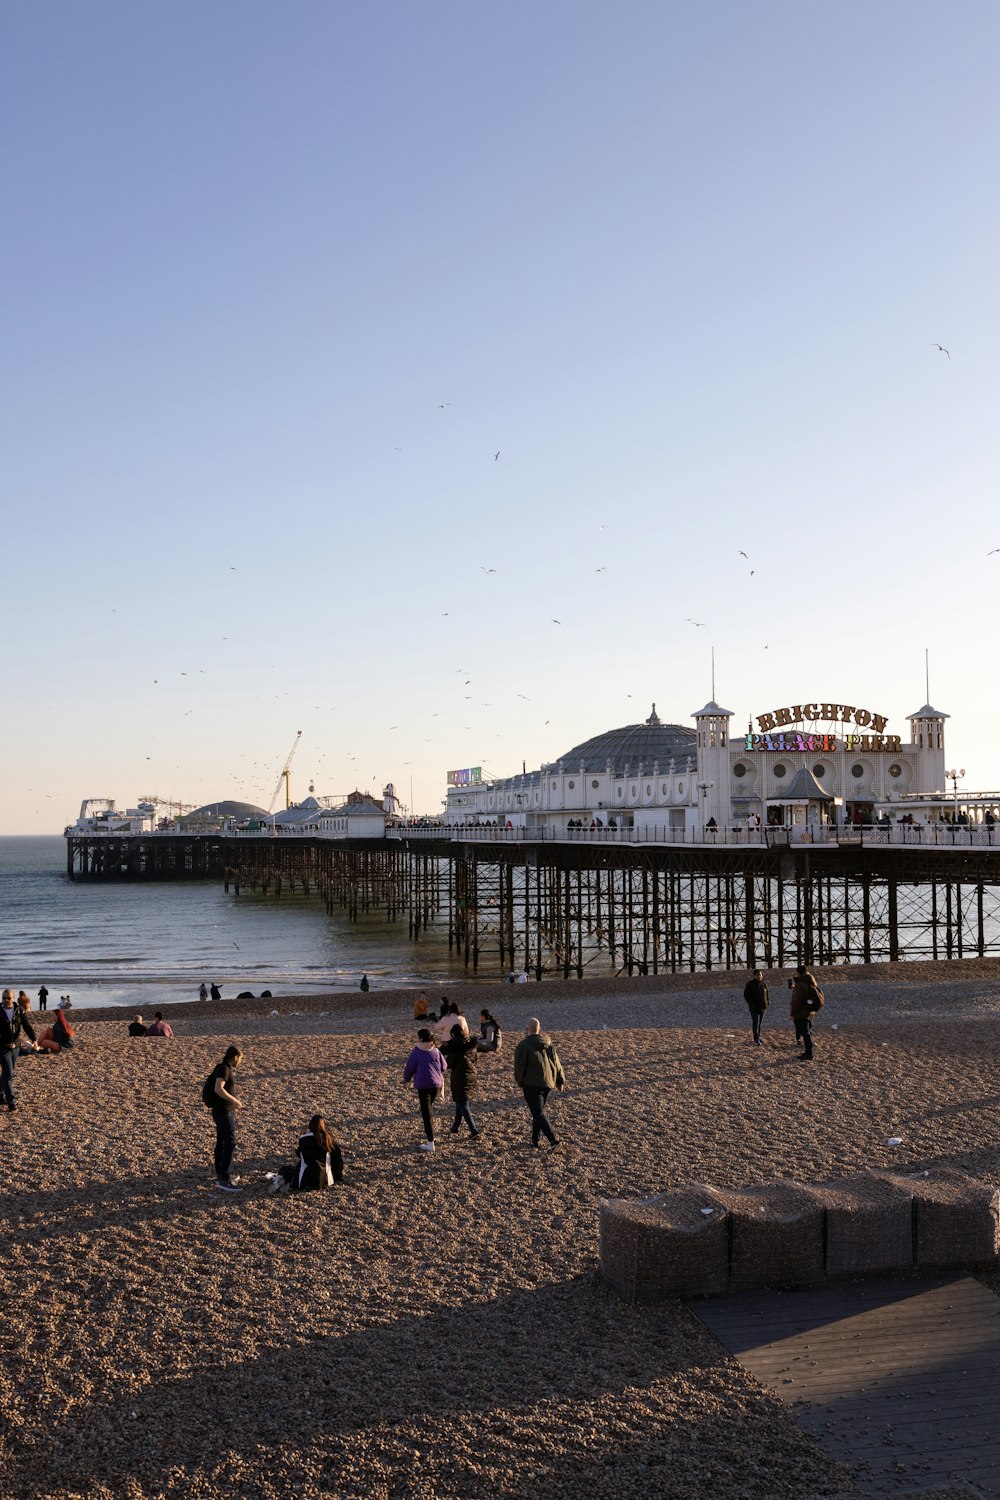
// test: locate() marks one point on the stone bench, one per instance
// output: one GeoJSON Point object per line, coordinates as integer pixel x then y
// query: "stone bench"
{"type": "Point", "coordinates": [700, 1240]}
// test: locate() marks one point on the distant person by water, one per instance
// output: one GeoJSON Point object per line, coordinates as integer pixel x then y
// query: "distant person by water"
{"type": "Point", "coordinates": [137, 1028]}
{"type": "Point", "coordinates": [43, 998]}
{"type": "Point", "coordinates": [203, 991]}
{"type": "Point", "coordinates": [215, 992]}
{"type": "Point", "coordinates": [365, 986]}
{"type": "Point", "coordinates": [24, 1000]}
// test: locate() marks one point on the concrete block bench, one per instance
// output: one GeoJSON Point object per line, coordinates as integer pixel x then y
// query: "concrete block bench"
{"type": "Point", "coordinates": [701, 1240]}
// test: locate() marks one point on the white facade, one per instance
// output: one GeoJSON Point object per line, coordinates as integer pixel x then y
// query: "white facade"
{"type": "Point", "coordinates": [855, 770]}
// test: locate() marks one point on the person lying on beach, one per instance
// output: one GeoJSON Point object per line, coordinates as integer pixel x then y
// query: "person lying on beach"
{"type": "Point", "coordinates": [319, 1162]}
{"type": "Point", "coordinates": [136, 1027]}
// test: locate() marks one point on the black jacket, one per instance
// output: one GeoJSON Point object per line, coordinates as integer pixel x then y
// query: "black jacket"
{"type": "Point", "coordinates": [10, 1031]}
{"type": "Point", "coordinates": [460, 1053]}
{"type": "Point", "coordinates": [311, 1168]}
{"type": "Point", "coordinates": [755, 994]}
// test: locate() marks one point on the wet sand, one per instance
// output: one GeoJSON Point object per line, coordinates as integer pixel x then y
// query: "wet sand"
{"type": "Point", "coordinates": [435, 1328]}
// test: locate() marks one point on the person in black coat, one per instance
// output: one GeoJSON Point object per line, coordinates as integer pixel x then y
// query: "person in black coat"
{"type": "Point", "coordinates": [460, 1054]}
{"type": "Point", "coordinates": [757, 999]}
{"type": "Point", "coordinates": [319, 1162]}
{"type": "Point", "coordinates": [12, 1022]}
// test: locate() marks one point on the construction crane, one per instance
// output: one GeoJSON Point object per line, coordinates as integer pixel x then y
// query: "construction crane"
{"type": "Point", "coordinates": [284, 776]}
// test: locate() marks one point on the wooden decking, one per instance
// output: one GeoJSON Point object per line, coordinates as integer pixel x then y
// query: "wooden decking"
{"type": "Point", "coordinates": [899, 1379]}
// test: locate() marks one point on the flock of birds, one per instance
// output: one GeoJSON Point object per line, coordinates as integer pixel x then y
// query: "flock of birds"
{"type": "Point", "coordinates": [255, 777]}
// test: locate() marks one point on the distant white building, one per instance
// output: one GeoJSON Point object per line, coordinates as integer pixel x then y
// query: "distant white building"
{"type": "Point", "coordinates": [817, 762]}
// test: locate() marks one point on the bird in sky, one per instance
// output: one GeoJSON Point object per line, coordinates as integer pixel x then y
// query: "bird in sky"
{"type": "Point", "coordinates": [942, 349]}
{"type": "Point", "coordinates": [992, 550]}
{"type": "Point", "coordinates": [557, 622]}
{"type": "Point", "coordinates": [528, 700]}
{"type": "Point", "coordinates": [600, 570]}
{"type": "Point", "coordinates": [743, 554]}
{"type": "Point", "coordinates": [603, 526]}
{"type": "Point", "coordinates": [700, 624]}
{"type": "Point", "coordinates": [487, 570]}
{"type": "Point", "coordinates": [496, 455]}
{"type": "Point", "coordinates": [233, 569]}
{"type": "Point", "coordinates": [443, 404]}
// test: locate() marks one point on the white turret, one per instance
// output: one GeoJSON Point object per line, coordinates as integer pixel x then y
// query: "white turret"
{"type": "Point", "coordinates": [712, 725]}
{"type": "Point", "coordinates": [927, 733]}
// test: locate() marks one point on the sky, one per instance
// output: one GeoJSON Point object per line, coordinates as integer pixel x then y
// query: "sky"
{"type": "Point", "coordinates": [415, 375]}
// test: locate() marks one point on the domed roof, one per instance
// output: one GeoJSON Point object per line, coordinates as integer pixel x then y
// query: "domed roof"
{"type": "Point", "coordinates": [650, 742]}
{"type": "Point", "coordinates": [228, 809]}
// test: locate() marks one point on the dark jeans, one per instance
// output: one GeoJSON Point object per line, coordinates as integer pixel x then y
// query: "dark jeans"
{"type": "Point", "coordinates": [756, 1017]}
{"type": "Point", "coordinates": [7, 1060]}
{"type": "Point", "coordinates": [463, 1112]}
{"type": "Point", "coordinates": [427, 1097]}
{"type": "Point", "coordinates": [225, 1141]}
{"type": "Point", "coordinates": [803, 1033]}
{"type": "Point", "coordinates": [536, 1099]}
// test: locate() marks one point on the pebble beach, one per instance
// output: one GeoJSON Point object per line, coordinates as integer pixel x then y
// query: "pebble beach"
{"type": "Point", "coordinates": [434, 1328]}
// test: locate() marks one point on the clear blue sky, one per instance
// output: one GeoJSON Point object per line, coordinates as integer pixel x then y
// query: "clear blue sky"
{"type": "Point", "coordinates": [683, 266]}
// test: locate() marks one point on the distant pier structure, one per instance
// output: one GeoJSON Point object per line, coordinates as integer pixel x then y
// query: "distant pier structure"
{"type": "Point", "coordinates": [563, 905]}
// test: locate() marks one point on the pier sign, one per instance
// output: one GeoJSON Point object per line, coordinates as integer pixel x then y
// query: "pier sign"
{"type": "Point", "coordinates": [824, 744]}
{"type": "Point", "coordinates": [468, 777]}
{"type": "Point", "coordinates": [825, 713]}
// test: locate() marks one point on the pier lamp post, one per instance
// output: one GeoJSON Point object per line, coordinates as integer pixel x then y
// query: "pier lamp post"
{"type": "Point", "coordinates": [704, 788]}
{"type": "Point", "coordinates": [955, 777]}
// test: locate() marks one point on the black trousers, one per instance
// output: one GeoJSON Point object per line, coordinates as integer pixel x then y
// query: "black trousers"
{"type": "Point", "coordinates": [536, 1100]}
{"type": "Point", "coordinates": [756, 1017]}
{"type": "Point", "coordinates": [225, 1141]}
{"type": "Point", "coordinates": [803, 1033]}
{"type": "Point", "coordinates": [427, 1097]}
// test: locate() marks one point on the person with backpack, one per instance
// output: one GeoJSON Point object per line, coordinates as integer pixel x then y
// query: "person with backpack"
{"type": "Point", "coordinates": [537, 1071]}
{"type": "Point", "coordinates": [807, 999]}
{"type": "Point", "coordinates": [218, 1096]}
{"type": "Point", "coordinates": [756, 996]}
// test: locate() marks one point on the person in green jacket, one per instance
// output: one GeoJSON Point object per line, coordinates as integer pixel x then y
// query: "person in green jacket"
{"type": "Point", "coordinates": [537, 1071]}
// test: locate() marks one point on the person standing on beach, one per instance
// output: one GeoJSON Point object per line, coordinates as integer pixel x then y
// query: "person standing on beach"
{"type": "Point", "coordinates": [224, 1104]}
{"type": "Point", "coordinates": [425, 1067]}
{"type": "Point", "coordinates": [203, 991]}
{"type": "Point", "coordinates": [460, 1054]}
{"type": "Point", "coordinates": [43, 998]}
{"type": "Point", "coordinates": [364, 986]}
{"type": "Point", "coordinates": [807, 999]}
{"type": "Point", "coordinates": [12, 1022]}
{"type": "Point", "coordinates": [756, 996]}
{"type": "Point", "coordinates": [537, 1071]}
{"type": "Point", "coordinates": [215, 992]}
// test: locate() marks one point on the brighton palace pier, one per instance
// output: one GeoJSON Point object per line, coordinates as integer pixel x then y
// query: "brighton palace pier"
{"type": "Point", "coordinates": [817, 834]}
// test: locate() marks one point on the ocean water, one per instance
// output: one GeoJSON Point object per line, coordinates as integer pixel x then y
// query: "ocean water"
{"type": "Point", "coordinates": [109, 944]}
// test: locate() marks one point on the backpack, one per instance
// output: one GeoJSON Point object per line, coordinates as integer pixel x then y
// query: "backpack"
{"type": "Point", "coordinates": [208, 1095]}
{"type": "Point", "coordinates": [815, 1000]}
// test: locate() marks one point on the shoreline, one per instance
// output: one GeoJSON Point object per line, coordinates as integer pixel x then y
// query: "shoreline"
{"type": "Point", "coordinates": [570, 994]}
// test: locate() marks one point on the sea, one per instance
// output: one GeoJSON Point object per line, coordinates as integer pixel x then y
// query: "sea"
{"type": "Point", "coordinates": [140, 944]}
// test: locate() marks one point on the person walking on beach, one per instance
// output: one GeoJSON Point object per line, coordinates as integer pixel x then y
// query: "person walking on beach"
{"type": "Point", "coordinates": [425, 1067]}
{"type": "Point", "coordinates": [219, 1096]}
{"type": "Point", "coordinates": [537, 1071]}
{"type": "Point", "coordinates": [756, 996]}
{"type": "Point", "coordinates": [460, 1054]}
{"type": "Point", "coordinates": [12, 1022]}
{"type": "Point", "coordinates": [807, 999]}
{"type": "Point", "coordinates": [43, 998]}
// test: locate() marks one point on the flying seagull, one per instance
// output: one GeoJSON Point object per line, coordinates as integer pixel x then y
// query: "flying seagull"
{"type": "Point", "coordinates": [743, 554]}
{"type": "Point", "coordinates": [557, 622]}
{"type": "Point", "coordinates": [486, 570]}
{"type": "Point", "coordinates": [942, 349]}
{"type": "Point", "coordinates": [496, 455]}
{"type": "Point", "coordinates": [700, 624]}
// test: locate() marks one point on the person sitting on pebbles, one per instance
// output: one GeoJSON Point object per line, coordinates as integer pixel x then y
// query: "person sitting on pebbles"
{"type": "Point", "coordinates": [137, 1028]}
{"type": "Point", "coordinates": [319, 1162]}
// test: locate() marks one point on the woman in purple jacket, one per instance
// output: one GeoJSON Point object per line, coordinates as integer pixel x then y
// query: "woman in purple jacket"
{"type": "Point", "coordinates": [426, 1067]}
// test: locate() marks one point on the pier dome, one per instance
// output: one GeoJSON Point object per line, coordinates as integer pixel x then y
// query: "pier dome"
{"type": "Point", "coordinates": [648, 743]}
{"type": "Point", "coordinates": [228, 809]}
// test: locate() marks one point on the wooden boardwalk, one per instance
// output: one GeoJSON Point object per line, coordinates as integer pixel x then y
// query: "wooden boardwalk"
{"type": "Point", "coordinates": [899, 1379]}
